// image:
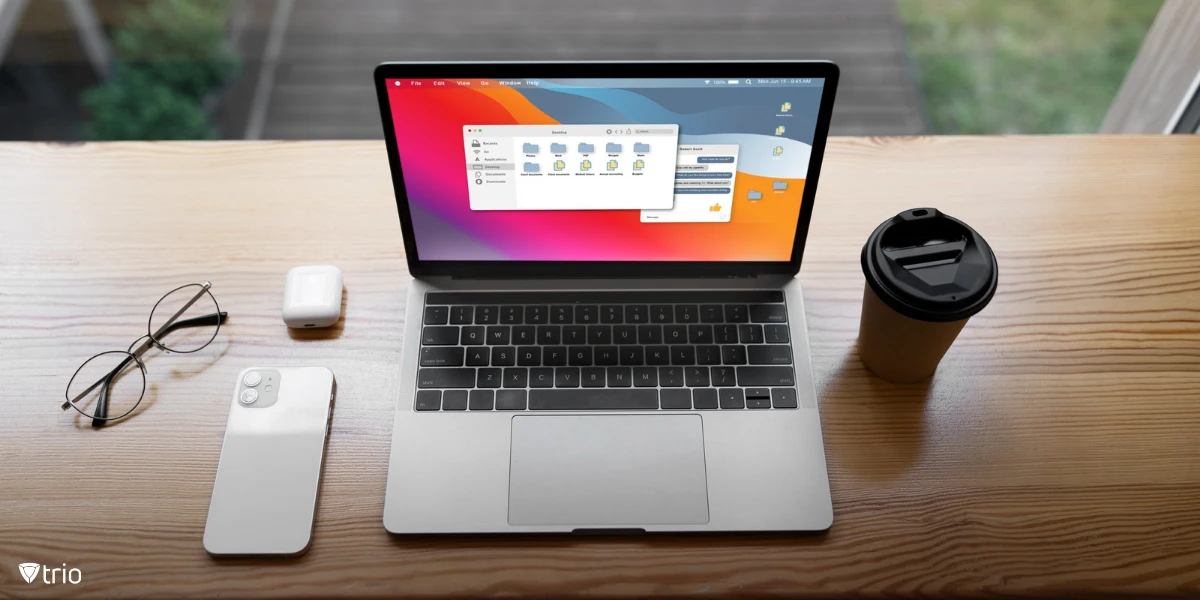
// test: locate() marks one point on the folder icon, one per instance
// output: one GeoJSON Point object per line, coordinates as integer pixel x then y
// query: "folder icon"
{"type": "Point", "coordinates": [753, 195]}
{"type": "Point", "coordinates": [531, 167]}
{"type": "Point", "coordinates": [528, 148]}
{"type": "Point", "coordinates": [586, 165]}
{"type": "Point", "coordinates": [786, 107]}
{"type": "Point", "coordinates": [559, 164]}
{"type": "Point", "coordinates": [558, 148]}
{"type": "Point", "coordinates": [612, 165]}
{"type": "Point", "coordinates": [779, 185]}
{"type": "Point", "coordinates": [778, 131]}
{"type": "Point", "coordinates": [777, 151]}
{"type": "Point", "coordinates": [638, 164]}
{"type": "Point", "coordinates": [585, 147]}
{"type": "Point", "coordinates": [611, 147]}
{"type": "Point", "coordinates": [641, 147]}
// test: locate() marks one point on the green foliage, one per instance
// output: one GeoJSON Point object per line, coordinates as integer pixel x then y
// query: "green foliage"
{"type": "Point", "coordinates": [1022, 66]}
{"type": "Point", "coordinates": [170, 56]}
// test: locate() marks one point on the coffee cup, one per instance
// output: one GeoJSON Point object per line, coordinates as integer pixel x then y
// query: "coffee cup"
{"type": "Point", "coordinates": [926, 273]}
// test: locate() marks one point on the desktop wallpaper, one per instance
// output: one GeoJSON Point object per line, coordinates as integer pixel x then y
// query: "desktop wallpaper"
{"type": "Point", "coordinates": [429, 122]}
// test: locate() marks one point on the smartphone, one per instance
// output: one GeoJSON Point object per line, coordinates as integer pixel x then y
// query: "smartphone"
{"type": "Point", "coordinates": [265, 495]}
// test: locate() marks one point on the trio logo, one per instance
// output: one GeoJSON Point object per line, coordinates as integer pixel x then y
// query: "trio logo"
{"type": "Point", "coordinates": [29, 572]}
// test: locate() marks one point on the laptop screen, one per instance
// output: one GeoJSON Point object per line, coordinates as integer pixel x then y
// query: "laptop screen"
{"type": "Point", "coordinates": [696, 170]}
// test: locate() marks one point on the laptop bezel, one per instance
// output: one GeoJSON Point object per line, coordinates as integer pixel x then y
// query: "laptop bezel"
{"type": "Point", "coordinates": [492, 269]}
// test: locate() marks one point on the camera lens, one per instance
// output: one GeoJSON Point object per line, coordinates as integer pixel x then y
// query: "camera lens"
{"type": "Point", "coordinates": [248, 396]}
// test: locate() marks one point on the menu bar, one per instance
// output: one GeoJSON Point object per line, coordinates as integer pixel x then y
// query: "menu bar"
{"type": "Point", "coordinates": [713, 82]}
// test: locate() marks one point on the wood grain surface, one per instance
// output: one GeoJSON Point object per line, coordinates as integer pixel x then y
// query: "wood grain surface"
{"type": "Point", "coordinates": [1055, 453]}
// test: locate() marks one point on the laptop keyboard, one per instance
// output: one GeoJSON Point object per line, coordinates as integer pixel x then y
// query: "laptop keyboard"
{"type": "Point", "coordinates": [514, 351]}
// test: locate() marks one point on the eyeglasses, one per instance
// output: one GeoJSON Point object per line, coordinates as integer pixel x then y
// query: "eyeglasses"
{"type": "Point", "coordinates": [189, 314]}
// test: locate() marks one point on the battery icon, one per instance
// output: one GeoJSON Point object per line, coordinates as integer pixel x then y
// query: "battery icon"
{"type": "Point", "coordinates": [732, 82]}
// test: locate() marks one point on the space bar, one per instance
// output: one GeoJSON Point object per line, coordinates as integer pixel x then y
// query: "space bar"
{"type": "Point", "coordinates": [600, 399]}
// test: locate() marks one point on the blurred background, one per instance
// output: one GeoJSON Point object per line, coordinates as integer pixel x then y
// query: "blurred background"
{"type": "Point", "coordinates": [301, 69]}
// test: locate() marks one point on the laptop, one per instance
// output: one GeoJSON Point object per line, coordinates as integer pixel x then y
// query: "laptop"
{"type": "Point", "coordinates": [604, 332]}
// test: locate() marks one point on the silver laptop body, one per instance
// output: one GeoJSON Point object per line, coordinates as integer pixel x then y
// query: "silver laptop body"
{"type": "Point", "coordinates": [539, 451]}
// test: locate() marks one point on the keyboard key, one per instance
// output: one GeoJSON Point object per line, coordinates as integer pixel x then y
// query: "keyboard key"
{"type": "Point", "coordinates": [705, 398]}
{"type": "Point", "coordinates": [587, 314]}
{"type": "Point", "coordinates": [683, 355]}
{"type": "Point", "coordinates": [504, 356]}
{"type": "Point", "coordinates": [566, 377]}
{"type": "Point", "coordinates": [574, 335]}
{"type": "Point", "coordinates": [650, 334]}
{"type": "Point", "coordinates": [537, 315]}
{"type": "Point", "coordinates": [661, 313]}
{"type": "Point", "coordinates": [554, 356]}
{"type": "Point", "coordinates": [645, 377]}
{"type": "Point", "coordinates": [428, 400]}
{"type": "Point", "coordinates": [442, 356]}
{"type": "Point", "coordinates": [579, 356]}
{"type": "Point", "coordinates": [489, 378]}
{"type": "Point", "coordinates": [771, 376]}
{"type": "Point", "coordinates": [593, 377]}
{"type": "Point", "coordinates": [510, 400]}
{"type": "Point", "coordinates": [757, 393]}
{"type": "Point", "coordinates": [610, 313]}
{"type": "Point", "coordinates": [541, 377]}
{"type": "Point", "coordinates": [735, 313]}
{"type": "Point", "coordinates": [723, 376]}
{"type": "Point", "coordinates": [687, 313]}
{"type": "Point", "coordinates": [712, 313]}
{"type": "Point", "coordinates": [599, 334]}
{"type": "Point", "coordinates": [473, 335]}
{"type": "Point", "coordinates": [676, 399]}
{"type": "Point", "coordinates": [776, 334]}
{"type": "Point", "coordinates": [487, 315]}
{"type": "Point", "coordinates": [625, 334]}
{"type": "Point", "coordinates": [482, 399]}
{"type": "Point", "coordinates": [725, 334]}
{"type": "Point", "coordinates": [675, 334]}
{"type": "Point", "coordinates": [529, 356]}
{"type": "Point", "coordinates": [439, 336]}
{"type": "Point", "coordinates": [632, 355]}
{"type": "Point", "coordinates": [636, 313]}
{"type": "Point", "coordinates": [511, 315]}
{"type": "Point", "coordinates": [768, 313]}
{"type": "Point", "coordinates": [516, 377]}
{"type": "Point", "coordinates": [783, 397]}
{"type": "Point", "coordinates": [561, 315]}
{"type": "Point", "coordinates": [549, 335]}
{"type": "Point", "coordinates": [731, 398]}
{"type": "Point", "coordinates": [658, 355]}
{"type": "Point", "coordinates": [524, 335]}
{"type": "Point", "coordinates": [750, 334]}
{"type": "Point", "coordinates": [769, 355]}
{"type": "Point", "coordinates": [601, 399]}
{"type": "Point", "coordinates": [696, 376]}
{"type": "Point", "coordinates": [437, 315]}
{"type": "Point", "coordinates": [670, 376]}
{"type": "Point", "coordinates": [606, 355]}
{"type": "Point", "coordinates": [453, 377]}
{"type": "Point", "coordinates": [758, 403]}
{"type": "Point", "coordinates": [454, 400]}
{"type": "Point", "coordinates": [477, 357]}
{"type": "Point", "coordinates": [620, 377]}
{"type": "Point", "coordinates": [708, 355]}
{"type": "Point", "coordinates": [733, 355]}
{"type": "Point", "coordinates": [497, 335]}
{"type": "Point", "coordinates": [461, 315]}
{"type": "Point", "coordinates": [700, 334]}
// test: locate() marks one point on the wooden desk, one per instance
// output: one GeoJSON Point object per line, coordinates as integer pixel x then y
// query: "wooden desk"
{"type": "Point", "coordinates": [1055, 453]}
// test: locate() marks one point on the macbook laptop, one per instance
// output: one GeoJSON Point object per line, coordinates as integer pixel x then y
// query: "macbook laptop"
{"type": "Point", "coordinates": [604, 332]}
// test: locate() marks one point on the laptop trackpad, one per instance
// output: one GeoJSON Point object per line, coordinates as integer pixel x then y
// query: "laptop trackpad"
{"type": "Point", "coordinates": [607, 471]}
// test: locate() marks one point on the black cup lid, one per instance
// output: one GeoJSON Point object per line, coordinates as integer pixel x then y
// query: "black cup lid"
{"type": "Point", "coordinates": [930, 266]}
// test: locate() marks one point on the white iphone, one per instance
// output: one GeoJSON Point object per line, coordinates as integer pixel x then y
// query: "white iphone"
{"type": "Point", "coordinates": [265, 495]}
